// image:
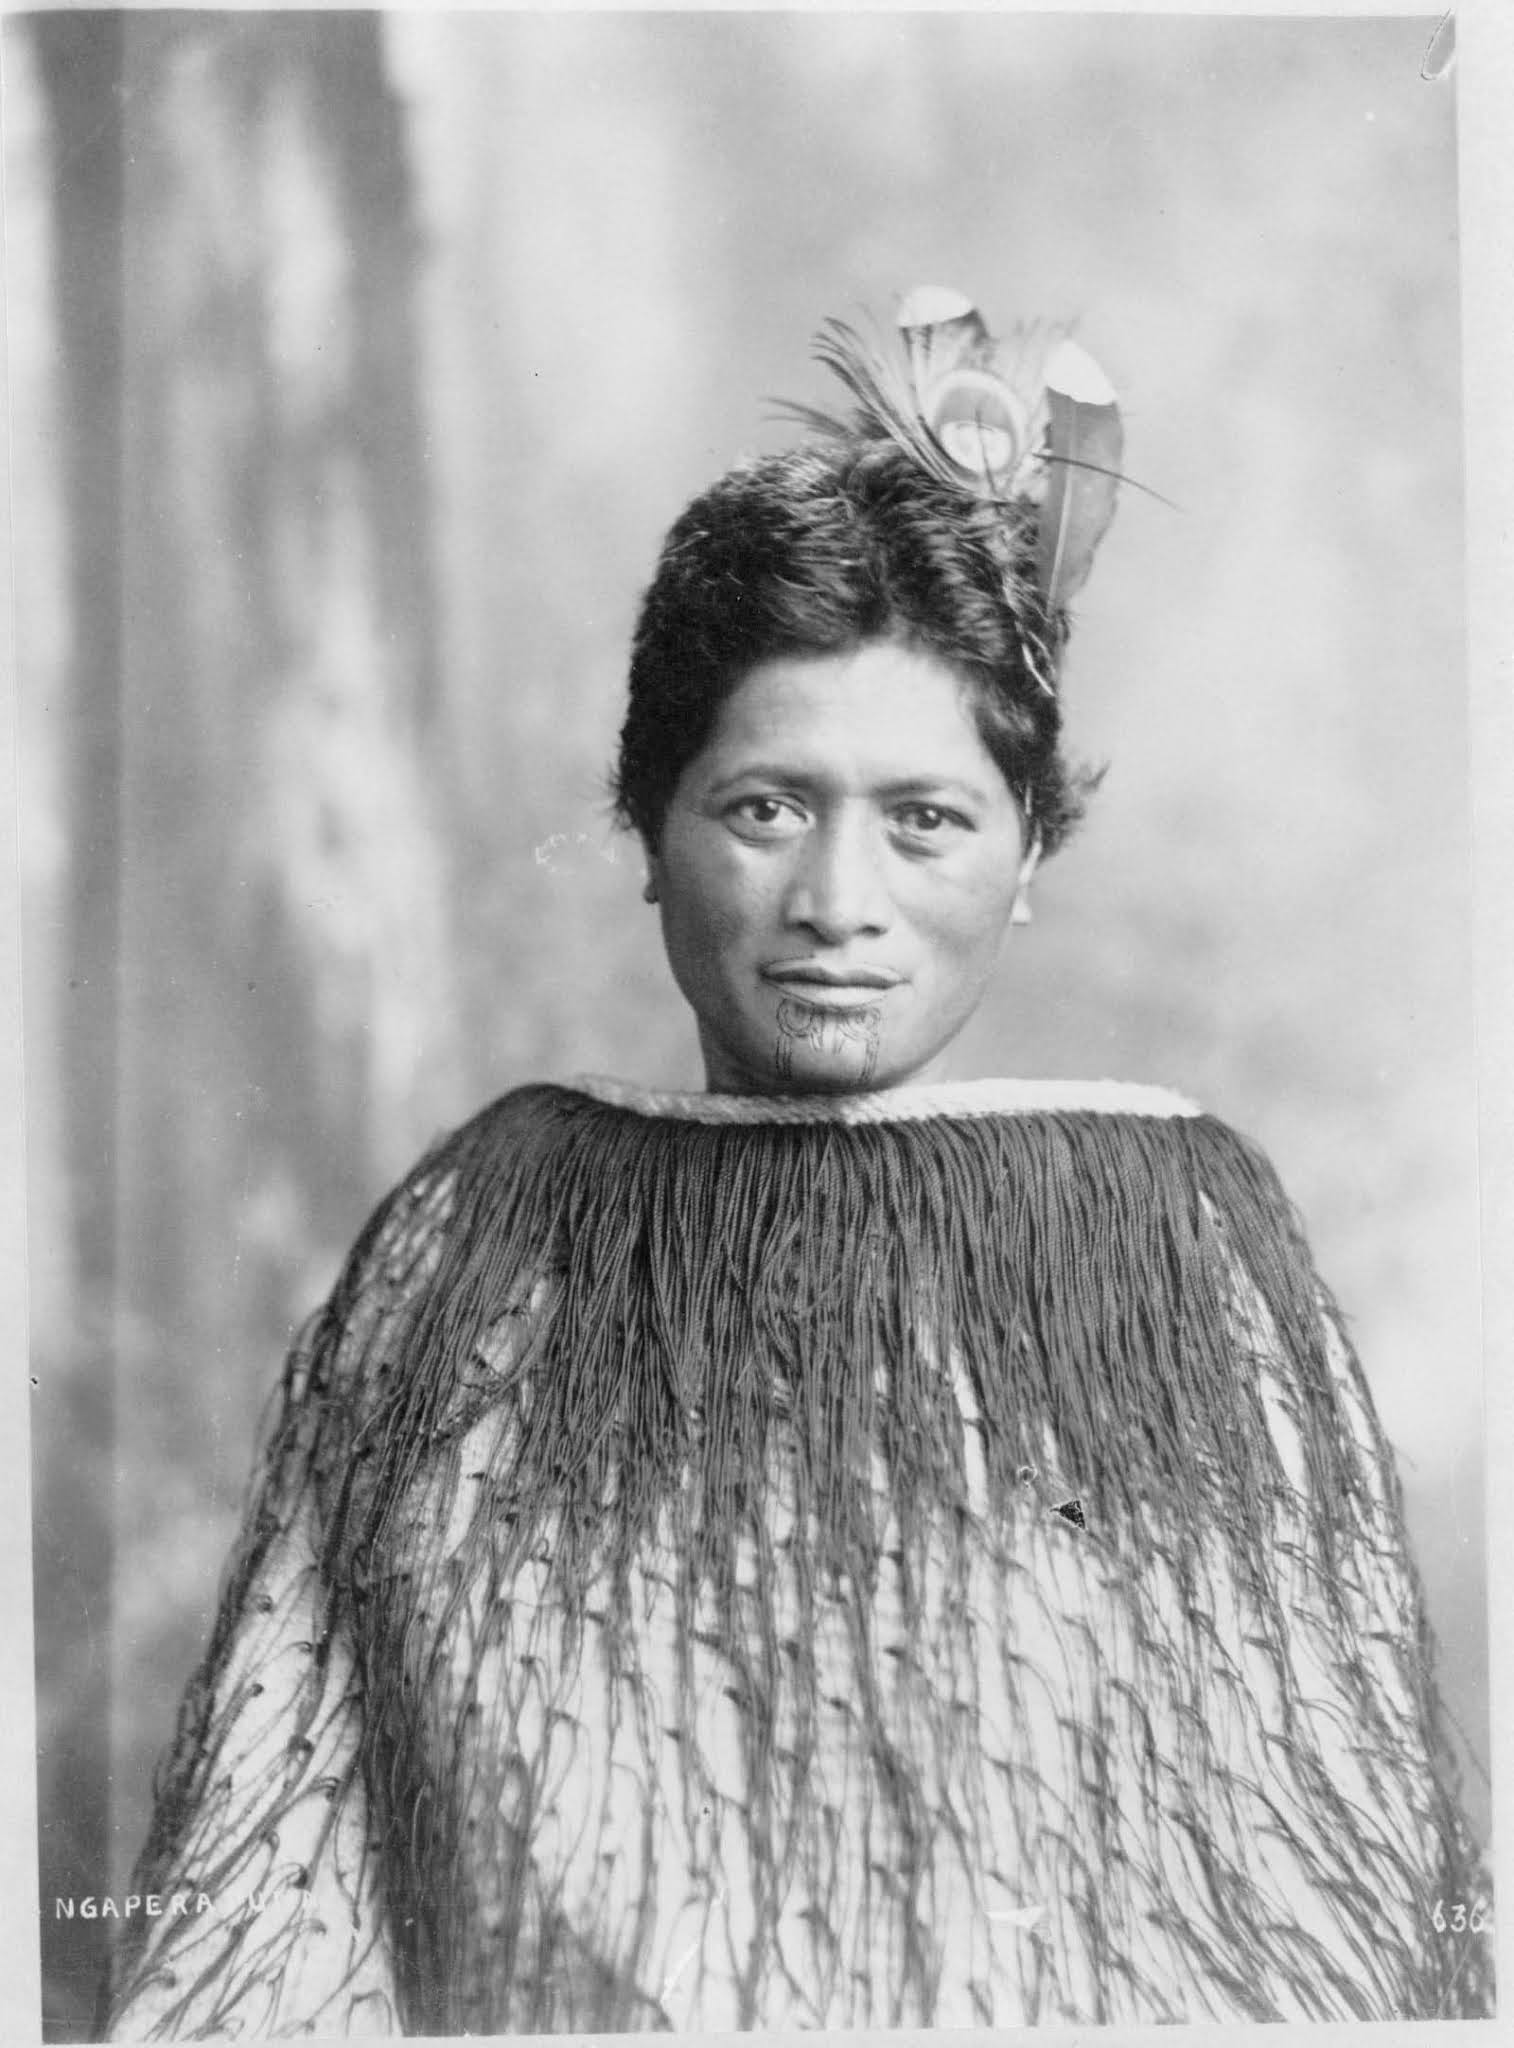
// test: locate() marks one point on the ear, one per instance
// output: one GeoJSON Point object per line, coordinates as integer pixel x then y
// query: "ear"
{"type": "Point", "coordinates": [650, 889]}
{"type": "Point", "coordinates": [1021, 912]}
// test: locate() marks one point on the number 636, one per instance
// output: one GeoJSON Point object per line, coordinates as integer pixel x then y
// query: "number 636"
{"type": "Point", "coordinates": [1459, 1918]}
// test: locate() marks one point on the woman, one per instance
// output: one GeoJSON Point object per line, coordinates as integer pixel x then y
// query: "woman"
{"type": "Point", "coordinates": [840, 1549]}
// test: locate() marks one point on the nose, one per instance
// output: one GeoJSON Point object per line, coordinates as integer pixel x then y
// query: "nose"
{"type": "Point", "coordinates": [837, 890]}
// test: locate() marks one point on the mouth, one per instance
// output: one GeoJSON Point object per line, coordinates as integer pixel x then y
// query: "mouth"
{"type": "Point", "coordinates": [813, 982]}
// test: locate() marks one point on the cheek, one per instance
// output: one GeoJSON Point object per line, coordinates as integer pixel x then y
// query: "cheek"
{"type": "Point", "coordinates": [713, 904]}
{"type": "Point", "coordinates": [965, 923]}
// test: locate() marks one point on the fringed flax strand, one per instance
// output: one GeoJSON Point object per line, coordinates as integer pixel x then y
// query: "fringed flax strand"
{"type": "Point", "coordinates": [929, 1570]}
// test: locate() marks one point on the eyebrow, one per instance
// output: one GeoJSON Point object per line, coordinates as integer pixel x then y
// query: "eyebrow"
{"type": "Point", "coordinates": [903, 787]}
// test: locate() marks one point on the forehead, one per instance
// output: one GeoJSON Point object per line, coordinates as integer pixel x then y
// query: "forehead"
{"type": "Point", "coordinates": [882, 711]}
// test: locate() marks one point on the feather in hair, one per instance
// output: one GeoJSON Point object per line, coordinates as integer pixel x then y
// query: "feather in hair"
{"type": "Point", "coordinates": [1028, 422]}
{"type": "Point", "coordinates": [884, 395]}
{"type": "Point", "coordinates": [980, 417]}
{"type": "Point", "coordinates": [943, 331]}
{"type": "Point", "coordinates": [1084, 444]}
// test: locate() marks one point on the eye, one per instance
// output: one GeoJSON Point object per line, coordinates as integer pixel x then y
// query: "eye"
{"type": "Point", "coordinates": [930, 821]}
{"type": "Point", "coordinates": [764, 817]}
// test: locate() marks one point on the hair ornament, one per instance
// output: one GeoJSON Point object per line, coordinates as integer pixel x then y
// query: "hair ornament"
{"type": "Point", "coordinates": [1028, 422]}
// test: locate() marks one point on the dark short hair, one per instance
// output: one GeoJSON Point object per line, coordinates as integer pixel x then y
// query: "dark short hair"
{"type": "Point", "coordinates": [821, 550]}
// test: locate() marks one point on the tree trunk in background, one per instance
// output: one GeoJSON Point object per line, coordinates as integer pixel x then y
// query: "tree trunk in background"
{"type": "Point", "coordinates": [256, 907]}
{"type": "Point", "coordinates": [80, 64]}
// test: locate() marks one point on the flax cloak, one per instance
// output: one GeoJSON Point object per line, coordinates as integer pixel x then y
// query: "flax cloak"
{"type": "Point", "coordinates": [919, 1559]}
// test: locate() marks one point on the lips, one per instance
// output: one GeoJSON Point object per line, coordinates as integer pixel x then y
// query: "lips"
{"type": "Point", "coordinates": [819, 981]}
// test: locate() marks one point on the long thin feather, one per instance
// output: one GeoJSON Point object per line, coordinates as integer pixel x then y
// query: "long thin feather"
{"type": "Point", "coordinates": [883, 394]}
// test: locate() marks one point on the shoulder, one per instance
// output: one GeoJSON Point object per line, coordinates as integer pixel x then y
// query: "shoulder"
{"type": "Point", "coordinates": [401, 1237]}
{"type": "Point", "coordinates": [406, 1252]}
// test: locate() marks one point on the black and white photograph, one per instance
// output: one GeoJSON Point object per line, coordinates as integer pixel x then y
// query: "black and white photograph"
{"type": "Point", "coordinates": [751, 883]}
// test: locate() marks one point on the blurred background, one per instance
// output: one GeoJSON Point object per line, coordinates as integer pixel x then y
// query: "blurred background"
{"type": "Point", "coordinates": [358, 364]}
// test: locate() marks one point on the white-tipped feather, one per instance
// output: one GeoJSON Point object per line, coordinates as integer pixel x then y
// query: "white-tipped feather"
{"type": "Point", "coordinates": [1072, 370]}
{"type": "Point", "coordinates": [1084, 445]}
{"type": "Point", "coordinates": [943, 331]}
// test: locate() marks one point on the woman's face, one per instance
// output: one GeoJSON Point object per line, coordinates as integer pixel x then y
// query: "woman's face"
{"type": "Point", "coordinates": [836, 874]}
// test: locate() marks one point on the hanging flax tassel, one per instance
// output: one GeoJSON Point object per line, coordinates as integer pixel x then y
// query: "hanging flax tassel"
{"type": "Point", "coordinates": [873, 1542]}
{"type": "Point", "coordinates": [1022, 1233]}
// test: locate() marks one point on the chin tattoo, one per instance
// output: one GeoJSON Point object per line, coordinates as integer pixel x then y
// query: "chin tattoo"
{"type": "Point", "coordinates": [832, 1035]}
